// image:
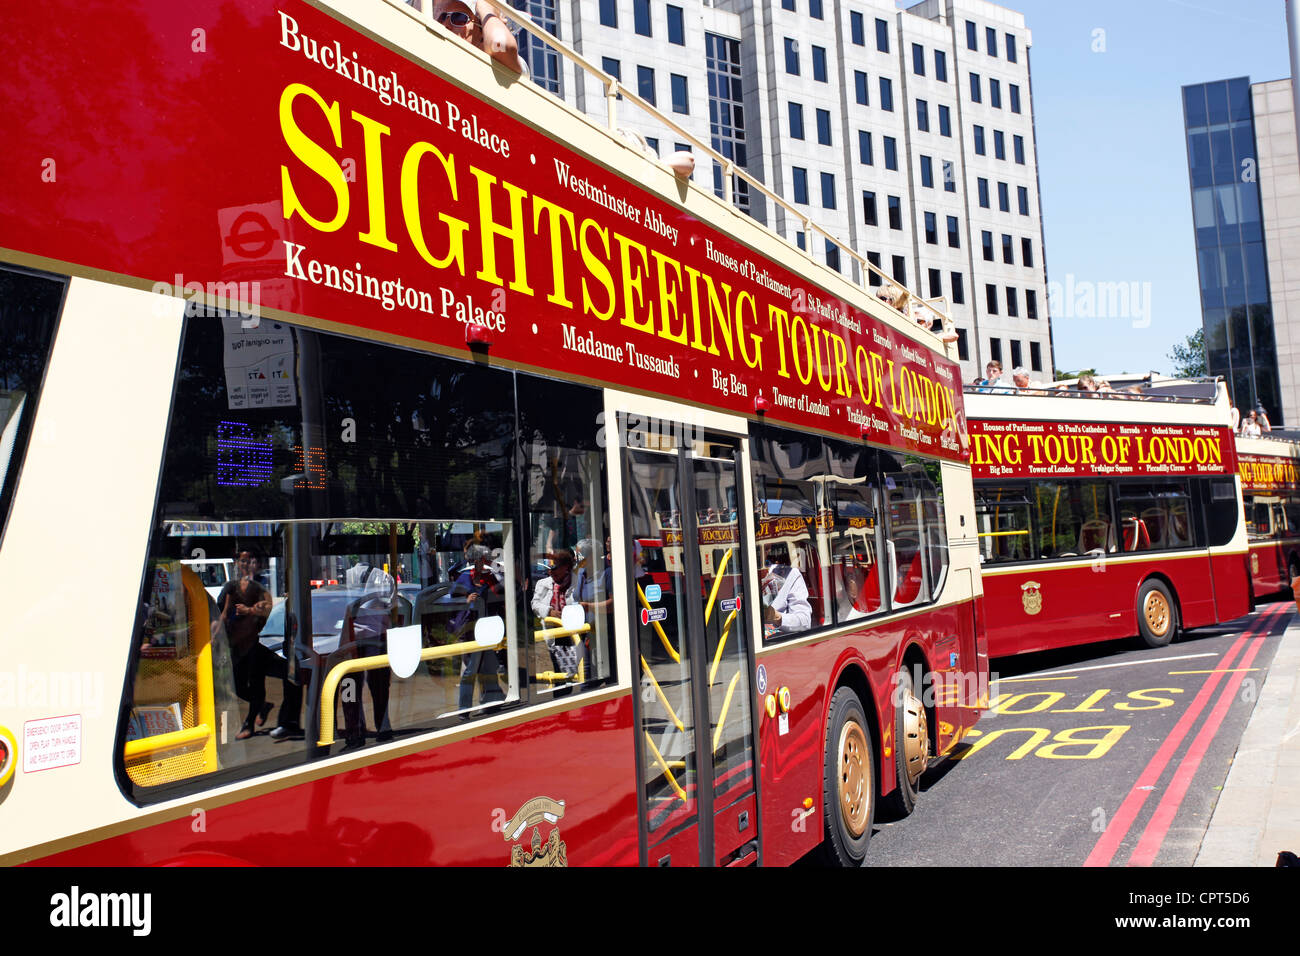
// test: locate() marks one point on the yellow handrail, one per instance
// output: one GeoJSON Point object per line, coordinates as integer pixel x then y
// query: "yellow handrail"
{"type": "Point", "coordinates": [147, 746]}
{"type": "Point", "coordinates": [722, 642]}
{"type": "Point", "coordinates": [672, 714]}
{"type": "Point", "coordinates": [659, 758]}
{"type": "Point", "coordinates": [717, 583]}
{"type": "Point", "coordinates": [726, 703]}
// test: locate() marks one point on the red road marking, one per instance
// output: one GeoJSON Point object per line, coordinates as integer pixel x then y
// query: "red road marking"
{"type": "Point", "coordinates": [1120, 824]}
{"type": "Point", "coordinates": [1154, 835]}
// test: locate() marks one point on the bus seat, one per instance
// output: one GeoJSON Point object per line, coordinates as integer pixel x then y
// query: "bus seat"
{"type": "Point", "coordinates": [1094, 536]}
{"type": "Point", "coordinates": [909, 584]}
{"type": "Point", "coordinates": [1154, 519]}
{"type": "Point", "coordinates": [869, 599]}
{"type": "Point", "coordinates": [1136, 537]}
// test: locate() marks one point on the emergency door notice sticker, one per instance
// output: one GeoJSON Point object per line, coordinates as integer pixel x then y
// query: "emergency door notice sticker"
{"type": "Point", "coordinates": [51, 742]}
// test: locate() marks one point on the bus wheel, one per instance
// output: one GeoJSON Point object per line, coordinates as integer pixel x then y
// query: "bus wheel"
{"type": "Point", "coordinates": [1157, 617]}
{"type": "Point", "coordinates": [911, 741]}
{"type": "Point", "coordinates": [849, 782]}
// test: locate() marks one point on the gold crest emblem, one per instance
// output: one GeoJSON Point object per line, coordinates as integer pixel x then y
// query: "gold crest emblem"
{"type": "Point", "coordinates": [1254, 563]}
{"type": "Point", "coordinates": [535, 813]}
{"type": "Point", "coordinates": [1031, 597]}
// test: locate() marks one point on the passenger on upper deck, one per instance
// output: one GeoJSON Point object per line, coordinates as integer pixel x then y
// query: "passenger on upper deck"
{"type": "Point", "coordinates": [1261, 416]}
{"type": "Point", "coordinates": [1020, 377]}
{"type": "Point", "coordinates": [481, 26]}
{"type": "Point", "coordinates": [1250, 427]}
{"type": "Point", "coordinates": [992, 379]}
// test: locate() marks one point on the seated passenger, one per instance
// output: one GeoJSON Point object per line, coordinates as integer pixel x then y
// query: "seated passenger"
{"type": "Point", "coordinates": [785, 596]}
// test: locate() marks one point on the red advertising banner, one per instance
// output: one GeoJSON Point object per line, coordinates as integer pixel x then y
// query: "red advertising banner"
{"type": "Point", "coordinates": [271, 152]}
{"type": "Point", "coordinates": [1268, 473]}
{"type": "Point", "coordinates": [1095, 449]}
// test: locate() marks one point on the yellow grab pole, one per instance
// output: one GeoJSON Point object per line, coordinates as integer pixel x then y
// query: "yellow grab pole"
{"type": "Point", "coordinates": [717, 582]}
{"type": "Point", "coordinates": [672, 651]}
{"type": "Point", "coordinates": [722, 716]}
{"type": "Point", "coordinates": [672, 714]}
{"type": "Point", "coordinates": [663, 764]}
{"type": "Point", "coordinates": [722, 642]}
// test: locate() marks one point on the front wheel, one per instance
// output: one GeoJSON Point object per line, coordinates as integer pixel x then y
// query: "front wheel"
{"type": "Point", "coordinates": [1157, 615]}
{"type": "Point", "coordinates": [849, 782]}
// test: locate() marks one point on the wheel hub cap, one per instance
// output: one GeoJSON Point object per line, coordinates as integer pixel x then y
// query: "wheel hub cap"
{"type": "Point", "coordinates": [916, 737]}
{"type": "Point", "coordinates": [854, 779]}
{"type": "Point", "coordinates": [1156, 611]}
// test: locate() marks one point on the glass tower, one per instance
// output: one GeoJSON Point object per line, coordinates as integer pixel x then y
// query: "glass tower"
{"type": "Point", "coordinates": [1230, 255]}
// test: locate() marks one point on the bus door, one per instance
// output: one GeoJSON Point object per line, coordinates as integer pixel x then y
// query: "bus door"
{"type": "Point", "coordinates": [691, 646]}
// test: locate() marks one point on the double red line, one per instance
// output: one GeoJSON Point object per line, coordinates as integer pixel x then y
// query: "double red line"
{"type": "Point", "coordinates": [1154, 834]}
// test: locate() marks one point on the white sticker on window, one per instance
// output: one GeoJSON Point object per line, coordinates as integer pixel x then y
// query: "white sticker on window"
{"type": "Point", "coordinates": [404, 649]}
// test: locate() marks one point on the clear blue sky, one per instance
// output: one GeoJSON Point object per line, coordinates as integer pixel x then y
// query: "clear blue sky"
{"type": "Point", "coordinates": [1111, 156]}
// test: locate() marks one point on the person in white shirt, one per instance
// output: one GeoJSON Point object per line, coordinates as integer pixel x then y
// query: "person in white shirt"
{"type": "Point", "coordinates": [785, 596]}
{"type": "Point", "coordinates": [1250, 426]}
{"type": "Point", "coordinates": [1020, 377]}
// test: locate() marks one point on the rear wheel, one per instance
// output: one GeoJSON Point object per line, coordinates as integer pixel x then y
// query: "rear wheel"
{"type": "Point", "coordinates": [849, 781]}
{"type": "Point", "coordinates": [1157, 615]}
{"type": "Point", "coordinates": [911, 740]}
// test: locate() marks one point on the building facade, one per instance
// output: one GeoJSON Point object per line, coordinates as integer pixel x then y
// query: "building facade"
{"type": "Point", "coordinates": [1245, 188]}
{"type": "Point", "coordinates": [908, 134]}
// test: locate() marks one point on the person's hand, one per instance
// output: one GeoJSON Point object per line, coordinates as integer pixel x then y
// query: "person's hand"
{"type": "Point", "coordinates": [498, 42]}
{"type": "Point", "coordinates": [771, 615]}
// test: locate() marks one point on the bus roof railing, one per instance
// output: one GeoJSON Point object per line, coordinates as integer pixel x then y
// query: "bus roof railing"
{"type": "Point", "coordinates": [1152, 392]}
{"type": "Point", "coordinates": [901, 299]}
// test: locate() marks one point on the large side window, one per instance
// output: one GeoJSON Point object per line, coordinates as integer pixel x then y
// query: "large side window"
{"type": "Point", "coordinates": [1073, 518]}
{"type": "Point", "coordinates": [1219, 505]}
{"type": "Point", "coordinates": [854, 532]}
{"type": "Point", "coordinates": [918, 538]}
{"type": "Point", "coordinates": [1155, 516]}
{"type": "Point", "coordinates": [346, 549]}
{"type": "Point", "coordinates": [29, 313]}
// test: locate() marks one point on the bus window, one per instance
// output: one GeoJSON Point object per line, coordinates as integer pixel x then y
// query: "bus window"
{"type": "Point", "coordinates": [1155, 516]}
{"type": "Point", "coordinates": [1002, 514]}
{"type": "Point", "coordinates": [1074, 518]}
{"type": "Point", "coordinates": [29, 313]}
{"type": "Point", "coordinates": [794, 574]}
{"type": "Point", "coordinates": [917, 538]}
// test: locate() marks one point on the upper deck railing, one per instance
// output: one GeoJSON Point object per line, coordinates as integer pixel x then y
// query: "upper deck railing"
{"type": "Point", "coordinates": [1149, 392]}
{"type": "Point", "coordinates": [912, 307]}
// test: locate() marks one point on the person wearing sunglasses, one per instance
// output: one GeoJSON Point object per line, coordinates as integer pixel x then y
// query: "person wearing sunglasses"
{"type": "Point", "coordinates": [482, 26]}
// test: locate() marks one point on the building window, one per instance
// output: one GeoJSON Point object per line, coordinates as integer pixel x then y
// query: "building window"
{"type": "Point", "coordinates": [936, 283]}
{"type": "Point", "coordinates": [927, 172]}
{"type": "Point", "coordinates": [676, 26]}
{"type": "Point", "coordinates": [918, 59]}
{"type": "Point", "coordinates": [1004, 201]}
{"type": "Point", "coordinates": [975, 88]}
{"type": "Point", "coordinates": [891, 153]}
{"type": "Point", "coordinates": [869, 208]}
{"type": "Point", "coordinates": [681, 103]}
{"type": "Point", "coordinates": [979, 140]}
{"type": "Point", "coordinates": [995, 348]}
{"type": "Point", "coordinates": [931, 229]}
{"type": "Point", "coordinates": [819, 64]}
{"type": "Point", "coordinates": [882, 36]}
{"type": "Point", "coordinates": [991, 302]}
{"type": "Point", "coordinates": [543, 61]}
{"type": "Point", "coordinates": [815, 9]}
{"type": "Point", "coordinates": [1035, 357]}
{"type": "Point", "coordinates": [999, 145]}
{"type": "Point", "coordinates": [986, 237]}
{"type": "Point", "coordinates": [971, 43]}
{"type": "Point", "coordinates": [796, 121]}
{"type": "Point", "coordinates": [653, 143]}
{"type": "Point", "coordinates": [982, 186]}
{"type": "Point", "coordinates": [641, 17]}
{"type": "Point", "coordinates": [832, 255]}
{"type": "Point", "coordinates": [895, 213]}
{"type": "Point", "coordinates": [1027, 251]}
{"type": "Point", "coordinates": [886, 94]}
{"type": "Point", "coordinates": [1031, 304]}
{"type": "Point", "coordinates": [791, 57]}
{"type": "Point", "coordinates": [787, 5]}
{"type": "Point", "coordinates": [857, 29]}
{"type": "Point", "coordinates": [900, 270]}
{"type": "Point", "coordinates": [800, 185]}
{"type": "Point", "coordinates": [645, 84]}
{"type": "Point", "coordinates": [963, 348]}
{"type": "Point", "coordinates": [873, 277]}
{"type": "Point", "coordinates": [799, 240]}
{"type": "Point", "coordinates": [1011, 48]}
{"type": "Point", "coordinates": [1008, 250]}
{"type": "Point", "coordinates": [1013, 91]}
{"type": "Point", "coordinates": [991, 41]}
{"type": "Point", "coordinates": [824, 127]}
{"type": "Point", "coordinates": [955, 283]}
{"type": "Point", "coordinates": [923, 116]}
{"type": "Point", "coordinates": [941, 66]}
{"type": "Point", "coordinates": [608, 14]}
{"type": "Point", "coordinates": [945, 121]}
{"type": "Point", "coordinates": [949, 177]}
{"type": "Point", "coordinates": [860, 88]}
{"type": "Point", "coordinates": [995, 94]}
{"type": "Point", "coordinates": [864, 148]}
{"type": "Point", "coordinates": [1018, 149]}
{"type": "Point", "coordinates": [1016, 355]}
{"type": "Point", "coordinates": [726, 112]}
{"type": "Point", "coordinates": [954, 233]}
{"type": "Point", "coordinates": [828, 191]}
{"type": "Point", "coordinates": [1022, 197]}
{"type": "Point", "coordinates": [1013, 310]}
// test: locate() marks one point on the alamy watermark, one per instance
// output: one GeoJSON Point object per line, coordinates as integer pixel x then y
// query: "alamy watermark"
{"type": "Point", "coordinates": [1128, 301]}
{"type": "Point", "coordinates": [213, 299]}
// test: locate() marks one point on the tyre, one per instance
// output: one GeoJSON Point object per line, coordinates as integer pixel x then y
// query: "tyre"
{"type": "Point", "coordinates": [1157, 614]}
{"type": "Point", "coordinates": [1292, 570]}
{"type": "Point", "coordinates": [911, 740]}
{"type": "Point", "coordinates": [848, 782]}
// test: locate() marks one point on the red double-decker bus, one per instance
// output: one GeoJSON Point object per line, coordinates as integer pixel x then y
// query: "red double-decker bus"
{"type": "Point", "coordinates": [565, 514]}
{"type": "Point", "coordinates": [1271, 493]}
{"type": "Point", "coordinates": [1106, 515]}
